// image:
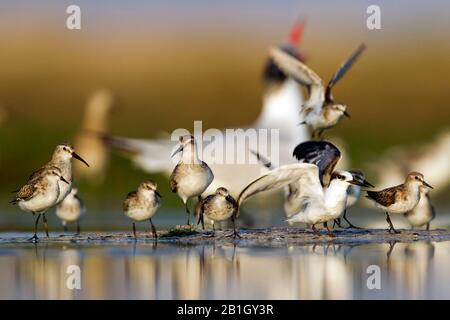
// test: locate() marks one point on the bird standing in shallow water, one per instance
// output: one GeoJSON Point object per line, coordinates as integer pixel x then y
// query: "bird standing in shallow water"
{"type": "Point", "coordinates": [191, 176]}
{"type": "Point", "coordinates": [142, 204]}
{"type": "Point", "coordinates": [424, 212]}
{"type": "Point", "coordinates": [39, 194]}
{"type": "Point", "coordinates": [321, 110]}
{"type": "Point", "coordinates": [71, 209]}
{"type": "Point", "coordinates": [399, 199]}
{"type": "Point", "coordinates": [219, 206]}
{"type": "Point", "coordinates": [62, 159]}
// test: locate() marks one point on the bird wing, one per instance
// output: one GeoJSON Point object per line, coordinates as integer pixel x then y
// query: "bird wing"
{"type": "Point", "coordinates": [343, 68]}
{"type": "Point", "coordinates": [384, 197]}
{"type": "Point", "coordinates": [277, 178]}
{"type": "Point", "coordinates": [128, 200]}
{"type": "Point", "coordinates": [323, 154]}
{"type": "Point", "coordinates": [294, 68]}
{"type": "Point", "coordinates": [37, 173]}
{"type": "Point", "coordinates": [25, 193]}
{"type": "Point", "coordinates": [151, 155]}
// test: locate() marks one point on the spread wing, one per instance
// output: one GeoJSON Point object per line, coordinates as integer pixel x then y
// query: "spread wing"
{"type": "Point", "coordinates": [277, 178]}
{"type": "Point", "coordinates": [344, 67]}
{"type": "Point", "coordinates": [294, 68]}
{"type": "Point", "coordinates": [309, 190]}
{"type": "Point", "coordinates": [323, 154]}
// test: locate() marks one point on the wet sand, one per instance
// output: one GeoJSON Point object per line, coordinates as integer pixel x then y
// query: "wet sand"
{"type": "Point", "coordinates": [268, 237]}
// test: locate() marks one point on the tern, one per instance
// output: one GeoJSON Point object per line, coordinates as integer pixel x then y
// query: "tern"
{"type": "Point", "coordinates": [281, 98]}
{"type": "Point", "coordinates": [399, 199]}
{"type": "Point", "coordinates": [191, 176]}
{"type": "Point", "coordinates": [40, 193]}
{"type": "Point", "coordinates": [321, 110]}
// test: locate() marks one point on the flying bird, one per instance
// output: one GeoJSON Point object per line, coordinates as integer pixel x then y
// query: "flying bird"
{"type": "Point", "coordinates": [321, 111]}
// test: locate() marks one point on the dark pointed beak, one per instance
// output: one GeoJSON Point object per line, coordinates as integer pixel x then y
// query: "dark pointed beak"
{"type": "Point", "coordinates": [426, 184]}
{"type": "Point", "coordinates": [76, 156]}
{"type": "Point", "coordinates": [158, 194]}
{"type": "Point", "coordinates": [357, 183]}
{"type": "Point", "coordinates": [62, 179]}
{"type": "Point", "coordinates": [367, 184]}
{"type": "Point", "coordinates": [347, 114]}
{"type": "Point", "coordinates": [180, 148]}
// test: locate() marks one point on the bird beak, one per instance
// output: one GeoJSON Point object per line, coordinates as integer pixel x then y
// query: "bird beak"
{"type": "Point", "coordinates": [180, 148]}
{"type": "Point", "coordinates": [62, 179]}
{"type": "Point", "coordinates": [357, 183]}
{"type": "Point", "coordinates": [426, 184]}
{"type": "Point", "coordinates": [76, 156]}
{"type": "Point", "coordinates": [158, 194]}
{"type": "Point", "coordinates": [347, 114]}
{"type": "Point", "coordinates": [367, 184]}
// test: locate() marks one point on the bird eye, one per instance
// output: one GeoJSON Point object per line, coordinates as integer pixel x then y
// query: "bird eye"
{"type": "Point", "coordinates": [417, 178]}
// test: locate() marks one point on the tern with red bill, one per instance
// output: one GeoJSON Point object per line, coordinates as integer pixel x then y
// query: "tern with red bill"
{"type": "Point", "coordinates": [281, 97]}
{"type": "Point", "coordinates": [321, 111]}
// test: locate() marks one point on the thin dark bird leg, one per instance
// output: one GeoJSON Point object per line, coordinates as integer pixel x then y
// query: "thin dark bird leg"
{"type": "Point", "coordinates": [78, 228]}
{"type": "Point", "coordinates": [337, 222]}
{"type": "Point", "coordinates": [350, 225]}
{"type": "Point", "coordinates": [314, 228]}
{"type": "Point", "coordinates": [235, 232]}
{"type": "Point", "coordinates": [45, 224]}
{"type": "Point", "coordinates": [428, 226]}
{"type": "Point", "coordinates": [321, 133]}
{"type": "Point", "coordinates": [134, 231]}
{"type": "Point", "coordinates": [35, 237]}
{"type": "Point", "coordinates": [391, 226]}
{"type": "Point", "coordinates": [155, 235]}
{"type": "Point", "coordinates": [201, 220]}
{"type": "Point", "coordinates": [188, 213]}
{"type": "Point", "coordinates": [65, 228]}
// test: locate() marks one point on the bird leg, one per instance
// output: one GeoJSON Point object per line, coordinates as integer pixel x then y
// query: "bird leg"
{"type": "Point", "coordinates": [391, 226]}
{"type": "Point", "coordinates": [329, 233]}
{"type": "Point", "coordinates": [235, 233]}
{"type": "Point", "coordinates": [201, 220]}
{"type": "Point", "coordinates": [45, 225]}
{"type": "Point", "coordinates": [134, 230]}
{"type": "Point", "coordinates": [188, 213]}
{"type": "Point", "coordinates": [428, 226]}
{"type": "Point", "coordinates": [350, 225]}
{"type": "Point", "coordinates": [35, 237]}
{"type": "Point", "coordinates": [337, 222]}
{"type": "Point", "coordinates": [155, 235]}
{"type": "Point", "coordinates": [320, 133]}
{"type": "Point", "coordinates": [78, 229]}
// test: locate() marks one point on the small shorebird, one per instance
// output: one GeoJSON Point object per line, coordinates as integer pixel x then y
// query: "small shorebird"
{"type": "Point", "coordinates": [71, 209]}
{"type": "Point", "coordinates": [142, 204]}
{"type": "Point", "coordinates": [353, 195]}
{"type": "Point", "coordinates": [281, 97]}
{"type": "Point", "coordinates": [399, 199]}
{"type": "Point", "coordinates": [219, 206]}
{"type": "Point", "coordinates": [61, 159]}
{"type": "Point", "coordinates": [88, 142]}
{"type": "Point", "coordinates": [424, 212]}
{"type": "Point", "coordinates": [39, 194]}
{"type": "Point", "coordinates": [191, 176]}
{"type": "Point", "coordinates": [321, 110]}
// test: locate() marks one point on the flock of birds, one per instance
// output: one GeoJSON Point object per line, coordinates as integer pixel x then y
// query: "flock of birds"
{"type": "Point", "coordinates": [316, 192]}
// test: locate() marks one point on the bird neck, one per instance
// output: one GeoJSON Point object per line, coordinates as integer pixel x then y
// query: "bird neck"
{"type": "Point", "coordinates": [190, 155]}
{"type": "Point", "coordinates": [65, 165]}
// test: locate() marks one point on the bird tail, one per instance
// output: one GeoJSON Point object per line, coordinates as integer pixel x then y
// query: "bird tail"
{"type": "Point", "coordinates": [14, 201]}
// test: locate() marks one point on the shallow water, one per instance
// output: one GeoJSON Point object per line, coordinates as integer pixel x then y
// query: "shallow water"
{"type": "Point", "coordinates": [169, 271]}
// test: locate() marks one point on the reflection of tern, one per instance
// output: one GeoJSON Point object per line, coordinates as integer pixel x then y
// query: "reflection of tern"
{"type": "Point", "coordinates": [281, 99]}
{"type": "Point", "coordinates": [321, 111]}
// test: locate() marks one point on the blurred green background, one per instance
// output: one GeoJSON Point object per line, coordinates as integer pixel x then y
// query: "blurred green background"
{"type": "Point", "coordinates": [170, 63]}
